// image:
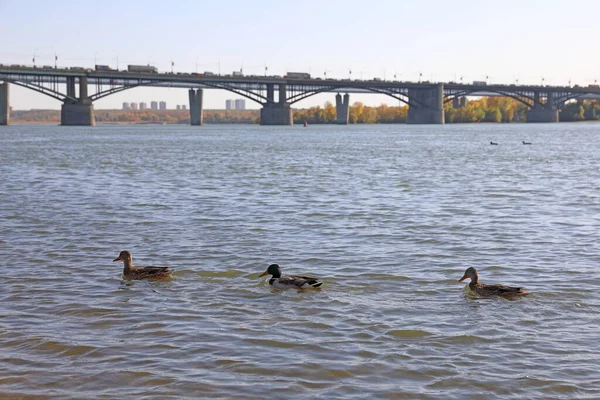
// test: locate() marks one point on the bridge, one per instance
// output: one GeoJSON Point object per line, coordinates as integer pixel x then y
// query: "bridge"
{"type": "Point", "coordinates": [275, 94]}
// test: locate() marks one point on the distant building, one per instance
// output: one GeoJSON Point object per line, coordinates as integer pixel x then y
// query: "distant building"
{"type": "Point", "coordinates": [134, 106]}
{"type": "Point", "coordinates": [162, 105]}
{"type": "Point", "coordinates": [126, 106]}
{"type": "Point", "coordinates": [237, 104]}
{"type": "Point", "coordinates": [183, 107]}
{"type": "Point", "coordinates": [143, 105]}
{"type": "Point", "coordinates": [178, 107]}
{"type": "Point", "coordinates": [240, 104]}
{"type": "Point", "coordinates": [154, 105]}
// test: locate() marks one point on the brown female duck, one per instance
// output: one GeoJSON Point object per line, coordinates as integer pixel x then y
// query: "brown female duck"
{"type": "Point", "coordinates": [483, 290]}
{"type": "Point", "coordinates": [131, 272]}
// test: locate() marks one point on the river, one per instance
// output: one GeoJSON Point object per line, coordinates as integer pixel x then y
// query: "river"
{"type": "Point", "coordinates": [388, 216]}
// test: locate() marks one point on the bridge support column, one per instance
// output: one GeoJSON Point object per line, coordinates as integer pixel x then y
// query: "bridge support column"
{"type": "Point", "coordinates": [541, 114]}
{"type": "Point", "coordinates": [270, 92]}
{"type": "Point", "coordinates": [429, 105]}
{"type": "Point", "coordinates": [196, 111]}
{"type": "Point", "coordinates": [342, 109]}
{"type": "Point", "coordinates": [4, 104]}
{"type": "Point", "coordinates": [83, 87]}
{"type": "Point", "coordinates": [71, 86]}
{"type": "Point", "coordinates": [80, 112]}
{"type": "Point", "coordinates": [276, 114]}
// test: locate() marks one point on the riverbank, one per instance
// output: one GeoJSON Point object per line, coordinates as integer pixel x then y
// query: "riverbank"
{"type": "Point", "coordinates": [487, 109]}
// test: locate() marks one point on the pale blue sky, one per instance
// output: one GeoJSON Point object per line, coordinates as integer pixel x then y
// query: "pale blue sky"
{"type": "Point", "coordinates": [443, 40]}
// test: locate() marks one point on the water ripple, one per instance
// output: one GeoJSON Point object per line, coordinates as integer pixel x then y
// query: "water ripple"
{"type": "Point", "coordinates": [389, 217]}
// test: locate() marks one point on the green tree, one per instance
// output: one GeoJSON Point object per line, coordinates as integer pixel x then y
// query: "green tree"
{"type": "Point", "coordinates": [493, 115]}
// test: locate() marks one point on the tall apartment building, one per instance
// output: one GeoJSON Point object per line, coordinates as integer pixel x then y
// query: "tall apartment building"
{"type": "Point", "coordinates": [134, 106]}
{"type": "Point", "coordinates": [154, 105]}
{"type": "Point", "coordinates": [143, 105]}
{"type": "Point", "coordinates": [240, 104]}
{"type": "Point", "coordinates": [162, 105]}
{"type": "Point", "coordinates": [126, 106]}
{"type": "Point", "coordinates": [237, 104]}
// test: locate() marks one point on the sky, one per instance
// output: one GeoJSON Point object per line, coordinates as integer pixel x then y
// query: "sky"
{"type": "Point", "coordinates": [528, 40]}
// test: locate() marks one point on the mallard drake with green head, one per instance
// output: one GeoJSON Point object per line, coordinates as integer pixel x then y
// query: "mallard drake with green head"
{"type": "Point", "coordinates": [483, 290]}
{"type": "Point", "coordinates": [289, 282]}
{"type": "Point", "coordinates": [131, 272]}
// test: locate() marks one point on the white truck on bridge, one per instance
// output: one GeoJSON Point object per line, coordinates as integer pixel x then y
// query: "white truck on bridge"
{"type": "Point", "coordinates": [142, 68]}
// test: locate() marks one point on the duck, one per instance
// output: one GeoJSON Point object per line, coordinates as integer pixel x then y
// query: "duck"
{"type": "Point", "coordinates": [494, 143]}
{"type": "Point", "coordinates": [131, 272]}
{"type": "Point", "coordinates": [483, 290]}
{"type": "Point", "coordinates": [524, 142]}
{"type": "Point", "coordinates": [289, 282]}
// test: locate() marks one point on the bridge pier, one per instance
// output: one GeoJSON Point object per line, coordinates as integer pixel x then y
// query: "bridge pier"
{"type": "Point", "coordinates": [196, 111]}
{"type": "Point", "coordinates": [342, 109]}
{"type": "Point", "coordinates": [541, 114]}
{"type": "Point", "coordinates": [276, 113]}
{"type": "Point", "coordinates": [428, 105]}
{"type": "Point", "coordinates": [4, 104]}
{"type": "Point", "coordinates": [77, 114]}
{"type": "Point", "coordinates": [80, 112]}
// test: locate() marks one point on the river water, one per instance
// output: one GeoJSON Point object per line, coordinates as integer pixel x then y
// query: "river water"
{"type": "Point", "coordinates": [389, 217]}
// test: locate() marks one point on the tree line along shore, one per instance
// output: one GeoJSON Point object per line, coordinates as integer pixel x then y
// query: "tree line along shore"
{"type": "Point", "coordinates": [486, 109]}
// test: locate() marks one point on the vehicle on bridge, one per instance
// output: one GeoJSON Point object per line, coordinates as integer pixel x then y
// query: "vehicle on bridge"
{"type": "Point", "coordinates": [297, 75]}
{"type": "Point", "coordinates": [480, 83]}
{"type": "Point", "coordinates": [142, 68]}
{"type": "Point", "coordinates": [103, 67]}
{"type": "Point", "coordinates": [202, 74]}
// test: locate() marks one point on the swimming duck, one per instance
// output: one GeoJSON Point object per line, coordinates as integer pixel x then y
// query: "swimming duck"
{"type": "Point", "coordinates": [524, 142]}
{"type": "Point", "coordinates": [494, 143]}
{"type": "Point", "coordinates": [131, 272]}
{"type": "Point", "coordinates": [483, 290]}
{"type": "Point", "coordinates": [289, 282]}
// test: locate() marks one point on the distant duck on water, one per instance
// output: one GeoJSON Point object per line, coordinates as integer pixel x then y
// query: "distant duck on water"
{"type": "Point", "coordinates": [494, 143]}
{"type": "Point", "coordinates": [131, 272]}
{"type": "Point", "coordinates": [524, 142]}
{"type": "Point", "coordinates": [289, 282]}
{"type": "Point", "coordinates": [483, 290]}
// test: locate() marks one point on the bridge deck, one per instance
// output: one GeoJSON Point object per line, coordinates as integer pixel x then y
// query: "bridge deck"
{"type": "Point", "coordinates": [193, 80]}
